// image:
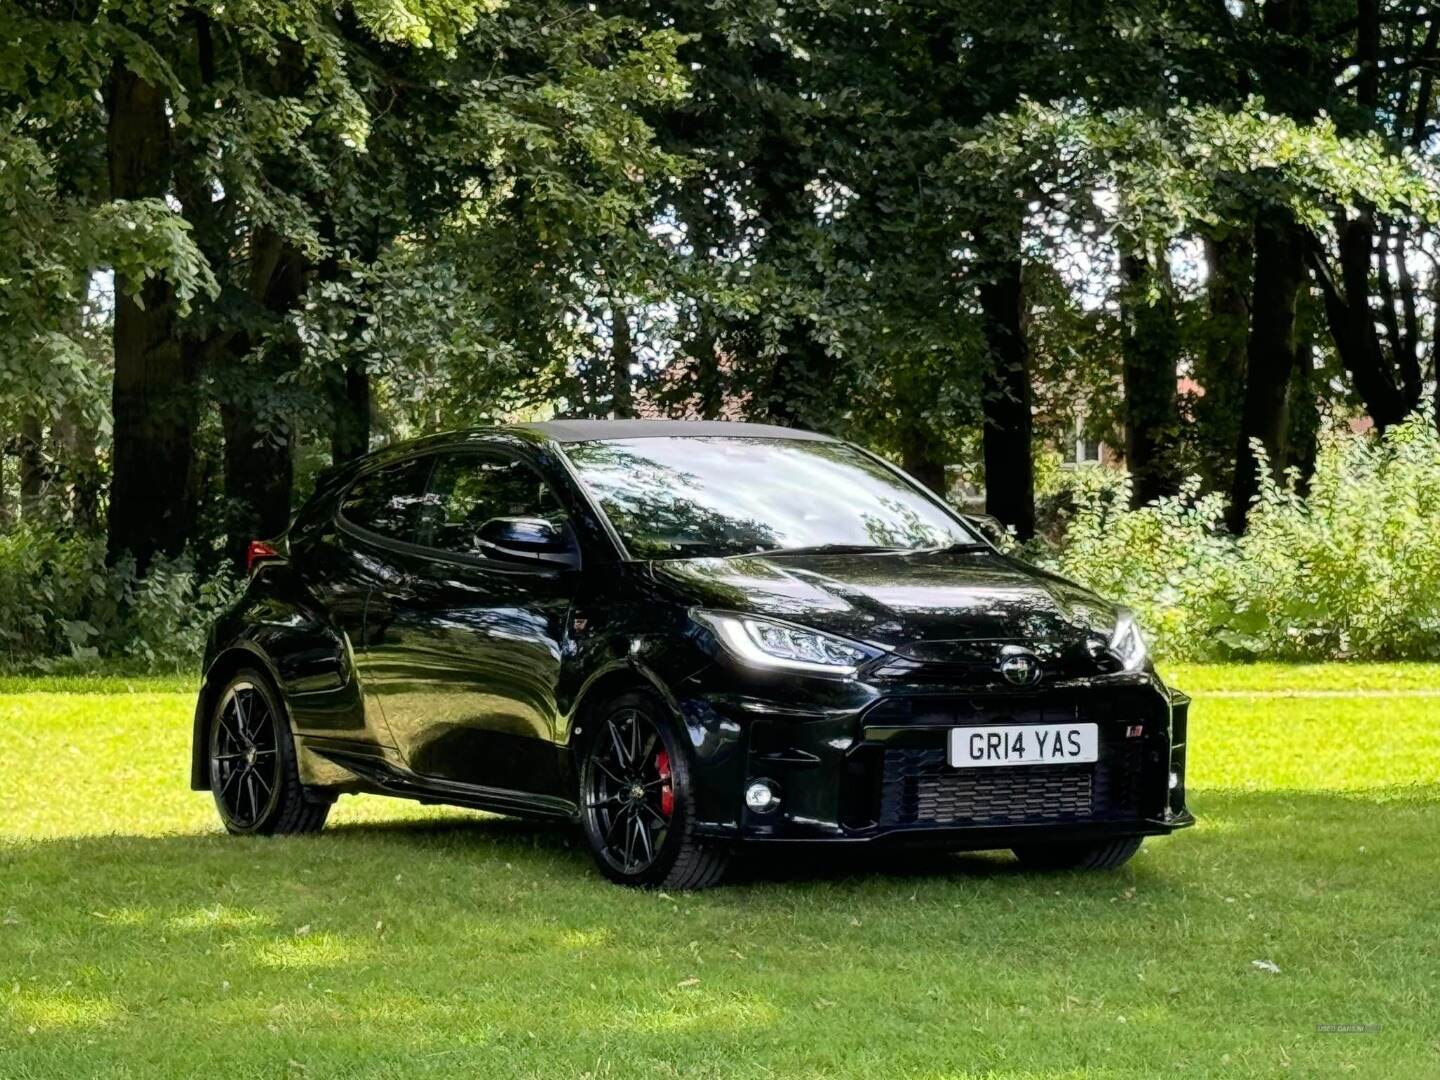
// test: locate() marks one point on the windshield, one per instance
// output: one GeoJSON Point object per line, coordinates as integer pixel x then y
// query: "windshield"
{"type": "Point", "coordinates": [683, 498]}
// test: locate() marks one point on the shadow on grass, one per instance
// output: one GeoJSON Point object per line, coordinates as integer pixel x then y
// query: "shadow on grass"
{"type": "Point", "coordinates": [1237, 820]}
{"type": "Point", "coordinates": [516, 839]}
{"type": "Point", "coordinates": [1240, 822]}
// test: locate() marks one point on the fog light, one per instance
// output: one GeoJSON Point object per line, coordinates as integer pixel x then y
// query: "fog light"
{"type": "Point", "coordinates": [1174, 779]}
{"type": "Point", "coordinates": [761, 796]}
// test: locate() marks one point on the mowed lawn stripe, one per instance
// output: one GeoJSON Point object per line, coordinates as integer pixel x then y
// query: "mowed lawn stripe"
{"type": "Point", "coordinates": [137, 940]}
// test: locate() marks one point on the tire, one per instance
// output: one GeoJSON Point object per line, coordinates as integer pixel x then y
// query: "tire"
{"type": "Point", "coordinates": [1106, 855]}
{"type": "Point", "coordinates": [610, 806]}
{"type": "Point", "coordinates": [251, 756]}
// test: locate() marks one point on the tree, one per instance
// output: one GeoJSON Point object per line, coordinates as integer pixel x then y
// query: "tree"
{"type": "Point", "coordinates": [1220, 357]}
{"type": "Point", "coordinates": [262, 161]}
{"type": "Point", "coordinates": [1374, 285]}
{"type": "Point", "coordinates": [1150, 373]}
{"type": "Point", "coordinates": [929, 228]}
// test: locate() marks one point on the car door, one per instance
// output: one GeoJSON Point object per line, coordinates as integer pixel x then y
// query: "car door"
{"type": "Point", "coordinates": [344, 556]}
{"type": "Point", "coordinates": [467, 644]}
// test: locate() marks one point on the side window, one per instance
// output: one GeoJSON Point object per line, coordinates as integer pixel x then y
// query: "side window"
{"type": "Point", "coordinates": [388, 500]}
{"type": "Point", "coordinates": [467, 490]}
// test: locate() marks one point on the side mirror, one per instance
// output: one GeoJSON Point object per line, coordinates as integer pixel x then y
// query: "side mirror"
{"type": "Point", "coordinates": [526, 539]}
{"type": "Point", "coordinates": [989, 527]}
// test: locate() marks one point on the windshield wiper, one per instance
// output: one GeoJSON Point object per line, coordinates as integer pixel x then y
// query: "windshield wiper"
{"type": "Point", "coordinates": [954, 549]}
{"type": "Point", "coordinates": [828, 549]}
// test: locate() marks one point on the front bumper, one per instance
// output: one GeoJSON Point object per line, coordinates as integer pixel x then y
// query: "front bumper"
{"type": "Point", "coordinates": [865, 763]}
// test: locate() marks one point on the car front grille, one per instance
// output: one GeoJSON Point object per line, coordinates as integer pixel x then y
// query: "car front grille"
{"type": "Point", "coordinates": [918, 787]}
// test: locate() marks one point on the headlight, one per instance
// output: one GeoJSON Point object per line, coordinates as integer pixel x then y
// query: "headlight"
{"type": "Point", "coordinates": [769, 644]}
{"type": "Point", "coordinates": [1127, 644]}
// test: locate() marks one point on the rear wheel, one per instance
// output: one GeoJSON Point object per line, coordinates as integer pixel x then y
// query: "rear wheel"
{"type": "Point", "coordinates": [253, 774]}
{"type": "Point", "coordinates": [1102, 856]}
{"type": "Point", "coordinates": [637, 803]}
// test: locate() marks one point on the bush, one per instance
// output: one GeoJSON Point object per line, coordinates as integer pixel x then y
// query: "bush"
{"type": "Point", "coordinates": [63, 609]}
{"type": "Point", "coordinates": [1064, 491]}
{"type": "Point", "coordinates": [1351, 571]}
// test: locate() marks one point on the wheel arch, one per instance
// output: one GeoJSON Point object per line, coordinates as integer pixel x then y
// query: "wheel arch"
{"type": "Point", "coordinates": [710, 741]}
{"type": "Point", "coordinates": [618, 678]}
{"type": "Point", "coordinates": [221, 670]}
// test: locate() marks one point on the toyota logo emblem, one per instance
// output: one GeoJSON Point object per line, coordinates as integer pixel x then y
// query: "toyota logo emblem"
{"type": "Point", "coordinates": [1022, 669]}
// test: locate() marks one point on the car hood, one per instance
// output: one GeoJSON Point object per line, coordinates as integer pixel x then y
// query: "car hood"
{"type": "Point", "coordinates": [907, 603]}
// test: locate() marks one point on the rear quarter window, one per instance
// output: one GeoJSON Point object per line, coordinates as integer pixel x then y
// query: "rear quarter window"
{"type": "Point", "coordinates": [387, 501]}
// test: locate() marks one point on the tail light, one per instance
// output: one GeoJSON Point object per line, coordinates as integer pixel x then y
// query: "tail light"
{"type": "Point", "coordinates": [258, 552]}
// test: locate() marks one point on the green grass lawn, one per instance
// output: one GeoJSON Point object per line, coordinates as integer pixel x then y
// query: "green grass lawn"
{"type": "Point", "coordinates": [137, 940]}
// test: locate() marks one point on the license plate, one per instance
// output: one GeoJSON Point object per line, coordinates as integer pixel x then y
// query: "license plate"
{"type": "Point", "coordinates": [1023, 744]}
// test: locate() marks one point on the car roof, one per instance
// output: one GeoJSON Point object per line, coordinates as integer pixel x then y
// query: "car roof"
{"type": "Point", "coordinates": [566, 431]}
{"type": "Point", "coordinates": [571, 431]}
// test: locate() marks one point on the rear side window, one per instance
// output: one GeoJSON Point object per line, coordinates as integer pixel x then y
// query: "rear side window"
{"type": "Point", "coordinates": [387, 501]}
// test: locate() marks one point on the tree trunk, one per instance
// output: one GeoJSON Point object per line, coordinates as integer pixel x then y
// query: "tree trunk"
{"type": "Point", "coordinates": [1291, 86]}
{"type": "Point", "coordinates": [922, 459]}
{"type": "Point", "coordinates": [798, 388]}
{"type": "Point", "coordinates": [75, 450]}
{"type": "Point", "coordinates": [1289, 81]}
{"type": "Point", "coordinates": [260, 443]}
{"type": "Point", "coordinates": [1352, 322]}
{"type": "Point", "coordinates": [1367, 52]}
{"type": "Point", "coordinates": [622, 360]}
{"type": "Point", "coordinates": [351, 417]}
{"type": "Point", "coordinates": [1434, 356]}
{"type": "Point", "coordinates": [259, 472]}
{"type": "Point", "coordinates": [1362, 352]}
{"type": "Point", "coordinates": [1304, 415]}
{"type": "Point", "coordinates": [593, 376]}
{"type": "Point", "coordinates": [1009, 425]}
{"type": "Point", "coordinates": [1389, 395]}
{"type": "Point", "coordinates": [6, 518]}
{"type": "Point", "coordinates": [1220, 367]}
{"type": "Point", "coordinates": [794, 392]}
{"type": "Point", "coordinates": [32, 468]}
{"type": "Point", "coordinates": [1150, 358]}
{"type": "Point", "coordinates": [154, 393]}
{"type": "Point", "coordinates": [709, 379]}
{"type": "Point", "coordinates": [1270, 355]}
{"type": "Point", "coordinates": [350, 436]}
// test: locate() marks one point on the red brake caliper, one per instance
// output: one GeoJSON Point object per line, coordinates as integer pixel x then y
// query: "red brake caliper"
{"type": "Point", "coordinates": [667, 793]}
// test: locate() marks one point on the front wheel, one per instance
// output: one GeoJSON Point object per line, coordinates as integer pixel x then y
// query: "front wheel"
{"type": "Point", "coordinates": [636, 800]}
{"type": "Point", "coordinates": [253, 773]}
{"type": "Point", "coordinates": [1102, 856]}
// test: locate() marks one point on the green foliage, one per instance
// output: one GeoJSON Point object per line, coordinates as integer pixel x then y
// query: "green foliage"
{"type": "Point", "coordinates": [65, 610]}
{"type": "Point", "coordinates": [511, 196]}
{"type": "Point", "coordinates": [49, 243]}
{"type": "Point", "coordinates": [1061, 491]}
{"type": "Point", "coordinates": [1189, 167]}
{"type": "Point", "coordinates": [423, 214]}
{"type": "Point", "coordinates": [1352, 571]}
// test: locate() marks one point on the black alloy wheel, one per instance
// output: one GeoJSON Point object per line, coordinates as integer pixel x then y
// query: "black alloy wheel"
{"type": "Point", "coordinates": [253, 773]}
{"type": "Point", "coordinates": [631, 791]}
{"type": "Point", "coordinates": [636, 803]}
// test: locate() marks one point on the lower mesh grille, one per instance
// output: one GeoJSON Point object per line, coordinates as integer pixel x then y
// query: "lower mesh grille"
{"type": "Point", "coordinates": [1005, 796]}
{"type": "Point", "coordinates": [918, 787]}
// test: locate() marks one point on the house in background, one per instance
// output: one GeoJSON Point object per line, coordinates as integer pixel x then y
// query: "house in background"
{"type": "Point", "coordinates": [1080, 451]}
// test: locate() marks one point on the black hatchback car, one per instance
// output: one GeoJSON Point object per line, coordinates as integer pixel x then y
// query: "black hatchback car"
{"type": "Point", "coordinates": [683, 636]}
